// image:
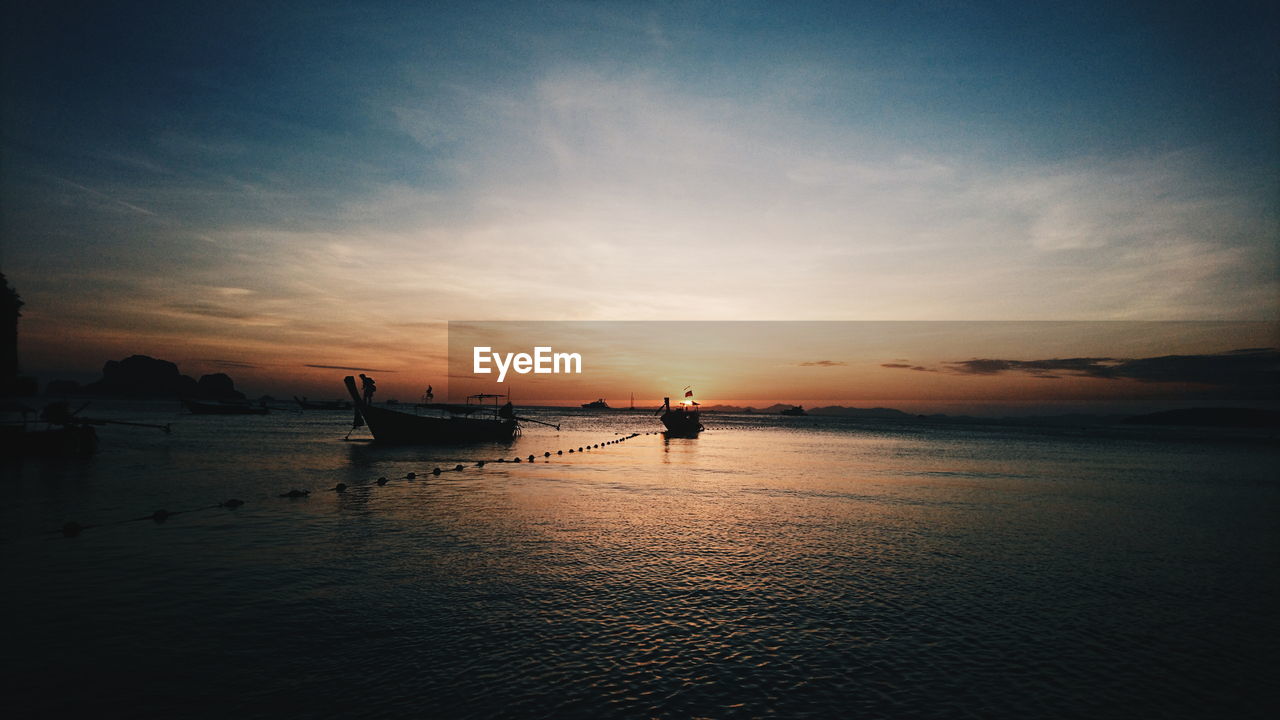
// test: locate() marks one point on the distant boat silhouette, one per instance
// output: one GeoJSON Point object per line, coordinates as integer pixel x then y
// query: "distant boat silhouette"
{"type": "Point", "coordinates": [59, 437]}
{"type": "Point", "coordinates": [596, 405]}
{"type": "Point", "coordinates": [322, 404]}
{"type": "Point", "coordinates": [199, 407]}
{"type": "Point", "coordinates": [456, 425]}
{"type": "Point", "coordinates": [65, 433]}
{"type": "Point", "coordinates": [797, 411]}
{"type": "Point", "coordinates": [683, 420]}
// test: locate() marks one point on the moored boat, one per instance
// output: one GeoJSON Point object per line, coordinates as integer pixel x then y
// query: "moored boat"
{"type": "Point", "coordinates": [53, 440]}
{"type": "Point", "coordinates": [454, 424]}
{"type": "Point", "coordinates": [58, 432]}
{"type": "Point", "coordinates": [599, 404]}
{"type": "Point", "coordinates": [797, 411]}
{"type": "Point", "coordinates": [307, 404]}
{"type": "Point", "coordinates": [200, 407]}
{"type": "Point", "coordinates": [683, 420]}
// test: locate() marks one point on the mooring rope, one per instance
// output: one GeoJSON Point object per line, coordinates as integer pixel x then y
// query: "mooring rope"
{"type": "Point", "coordinates": [73, 529]}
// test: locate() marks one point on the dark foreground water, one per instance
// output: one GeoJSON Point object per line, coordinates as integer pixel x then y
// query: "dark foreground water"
{"type": "Point", "coordinates": [786, 567]}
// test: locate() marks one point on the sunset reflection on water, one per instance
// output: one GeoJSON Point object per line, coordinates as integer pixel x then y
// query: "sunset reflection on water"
{"type": "Point", "coordinates": [788, 566]}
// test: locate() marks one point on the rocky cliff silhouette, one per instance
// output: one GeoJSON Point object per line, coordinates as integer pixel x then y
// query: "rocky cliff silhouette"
{"type": "Point", "coordinates": [144, 376]}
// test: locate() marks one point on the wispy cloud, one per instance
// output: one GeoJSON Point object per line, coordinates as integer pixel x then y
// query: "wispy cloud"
{"type": "Point", "coordinates": [344, 367]}
{"type": "Point", "coordinates": [222, 312]}
{"type": "Point", "coordinates": [907, 366]}
{"type": "Point", "coordinates": [231, 363]}
{"type": "Point", "coordinates": [1250, 367]}
{"type": "Point", "coordinates": [104, 197]}
{"type": "Point", "coordinates": [823, 363]}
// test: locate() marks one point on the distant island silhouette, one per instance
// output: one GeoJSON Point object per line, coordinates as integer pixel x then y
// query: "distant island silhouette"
{"type": "Point", "coordinates": [775, 409]}
{"type": "Point", "coordinates": [145, 376]}
{"type": "Point", "coordinates": [1209, 417]}
{"type": "Point", "coordinates": [1188, 417]}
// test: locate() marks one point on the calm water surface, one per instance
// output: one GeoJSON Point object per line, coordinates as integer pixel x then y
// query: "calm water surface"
{"type": "Point", "coordinates": [787, 567]}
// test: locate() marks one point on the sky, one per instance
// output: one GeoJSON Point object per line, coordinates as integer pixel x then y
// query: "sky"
{"type": "Point", "coordinates": [262, 189]}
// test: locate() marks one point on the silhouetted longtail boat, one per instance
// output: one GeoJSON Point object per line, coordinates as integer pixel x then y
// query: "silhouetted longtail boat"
{"type": "Point", "coordinates": [224, 408]}
{"type": "Point", "coordinates": [306, 404]}
{"type": "Point", "coordinates": [683, 420]}
{"type": "Point", "coordinates": [64, 433]}
{"type": "Point", "coordinates": [64, 441]}
{"type": "Point", "coordinates": [455, 426]}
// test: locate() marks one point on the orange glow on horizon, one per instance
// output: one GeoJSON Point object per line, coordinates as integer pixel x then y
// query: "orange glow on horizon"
{"type": "Point", "coordinates": [909, 366]}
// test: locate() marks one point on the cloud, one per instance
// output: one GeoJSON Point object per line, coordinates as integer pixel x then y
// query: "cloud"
{"type": "Point", "coordinates": [1248, 367]}
{"type": "Point", "coordinates": [823, 363]}
{"type": "Point", "coordinates": [221, 312]}
{"type": "Point", "coordinates": [230, 363]}
{"type": "Point", "coordinates": [1252, 368]}
{"type": "Point", "coordinates": [1087, 366]}
{"type": "Point", "coordinates": [105, 198]}
{"type": "Point", "coordinates": [907, 366]}
{"type": "Point", "coordinates": [344, 367]}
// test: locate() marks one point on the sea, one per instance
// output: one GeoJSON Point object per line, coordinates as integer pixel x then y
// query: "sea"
{"type": "Point", "coordinates": [788, 567]}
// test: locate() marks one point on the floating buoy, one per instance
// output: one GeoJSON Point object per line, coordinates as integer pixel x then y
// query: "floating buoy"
{"type": "Point", "coordinates": [73, 529]}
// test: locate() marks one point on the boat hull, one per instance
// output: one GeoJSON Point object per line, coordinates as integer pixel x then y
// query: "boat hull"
{"type": "Point", "coordinates": [67, 441]}
{"type": "Point", "coordinates": [322, 404]}
{"type": "Point", "coordinates": [681, 423]}
{"type": "Point", "coordinates": [401, 428]}
{"type": "Point", "coordinates": [200, 408]}
{"type": "Point", "coordinates": [393, 426]}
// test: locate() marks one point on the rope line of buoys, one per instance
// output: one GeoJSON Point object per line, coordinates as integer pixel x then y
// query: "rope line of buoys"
{"type": "Point", "coordinates": [73, 529]}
